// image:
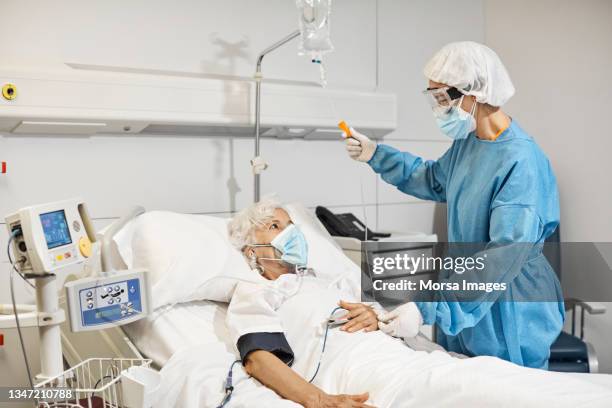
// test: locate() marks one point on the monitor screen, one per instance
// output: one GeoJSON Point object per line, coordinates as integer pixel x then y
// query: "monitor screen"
{"type": "Point", "coordinates": [55, 228]}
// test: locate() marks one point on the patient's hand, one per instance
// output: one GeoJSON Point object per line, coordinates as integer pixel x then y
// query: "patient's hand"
{"type": "Point", "coordinates": [272, 372]}
{"type": "Point", "coordinates": [360, 316]}
{"type": "Point", "coordinates": [322, 400]}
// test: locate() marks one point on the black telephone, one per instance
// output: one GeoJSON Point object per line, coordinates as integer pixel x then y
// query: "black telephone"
{"type": "Point", "coordinates": [346, 225]}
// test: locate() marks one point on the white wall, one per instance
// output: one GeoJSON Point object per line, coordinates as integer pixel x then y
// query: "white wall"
{"type": "Point", "coordinates": [559, 54]}
{"type": "Point", "coordinates": [410, 32]}
{"type": "Point", "coordinates": [377, 43]}
{"type": "Point", "coordinates": [205, 36]}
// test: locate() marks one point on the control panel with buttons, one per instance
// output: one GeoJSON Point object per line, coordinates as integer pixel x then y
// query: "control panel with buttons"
{"type": "Point", "coordinates": [98, 303]}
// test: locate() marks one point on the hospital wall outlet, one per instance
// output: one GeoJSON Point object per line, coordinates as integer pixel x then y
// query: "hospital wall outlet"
{"type": "Point", "coordinates": [9, 91]}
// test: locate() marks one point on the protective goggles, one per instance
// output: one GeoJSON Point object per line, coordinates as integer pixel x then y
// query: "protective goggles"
{"type": "Point", "coordinates": [442, 99]}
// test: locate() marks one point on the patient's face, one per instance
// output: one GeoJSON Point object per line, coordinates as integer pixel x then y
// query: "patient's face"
{"type": "Point", "coordinates": [264, 235]}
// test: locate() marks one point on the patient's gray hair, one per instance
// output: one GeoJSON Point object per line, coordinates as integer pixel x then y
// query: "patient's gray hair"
{"type": "Point", "coordinates": [242, 227]}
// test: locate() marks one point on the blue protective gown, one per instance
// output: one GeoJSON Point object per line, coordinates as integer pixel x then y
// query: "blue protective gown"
{"type": "Point", "coordinates": [501, 191]}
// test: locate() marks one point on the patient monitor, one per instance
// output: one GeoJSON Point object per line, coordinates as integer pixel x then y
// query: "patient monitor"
{"type": "Point", "coordinates": [50, 237]}
{"type": "Point", "coordinates": [53, 236]}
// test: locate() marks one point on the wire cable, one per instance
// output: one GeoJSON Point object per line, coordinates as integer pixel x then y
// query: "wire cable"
{"type": "Point", "coordinates": [10, 258]}
{"type": "Point", "coordinates": [364, 246]}
{"type": "Point", "coordinates": [95, 387]}
{"type": "Point", "coordinates": [12, 290]}
{"type": "Point", "coordinates": [363, 209]}
{"type": "Point", "coordinates": [229, 387]}
{"type": "Point", "coordinates": [327, 325]}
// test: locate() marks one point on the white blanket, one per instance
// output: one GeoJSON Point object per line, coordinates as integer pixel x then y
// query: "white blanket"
{"type": "Point", "coordinates": [393, 374]}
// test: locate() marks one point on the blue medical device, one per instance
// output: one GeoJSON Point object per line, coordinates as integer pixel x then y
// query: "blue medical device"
{"type": "Point", "coordinates": [103, 302]}
{"type": "Point", "coordinates": [49, 238]}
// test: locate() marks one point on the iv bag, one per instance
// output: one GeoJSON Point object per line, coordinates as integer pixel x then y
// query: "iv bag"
{"type": "Point", "coordinates": [314, 27]}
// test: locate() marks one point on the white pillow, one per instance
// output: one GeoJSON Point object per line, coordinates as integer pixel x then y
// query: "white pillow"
{"type": "Point", "coordinates": [182, 253]}
{"type": "Point", "coordinates": [324, 256]}
{"type": "Point", "coordinates": [189, 257]}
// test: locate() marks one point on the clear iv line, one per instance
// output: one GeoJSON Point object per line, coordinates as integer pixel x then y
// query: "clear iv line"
{"type": "Point", "coordinates": [323, 69]}
{"type": "Point", "coordinates": [363, 208]}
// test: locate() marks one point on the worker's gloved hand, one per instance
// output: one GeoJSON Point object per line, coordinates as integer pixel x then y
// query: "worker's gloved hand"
{"type": "Point", "coordinates": [360, 147]}
{"type": "Point", "coordinates": [404, 321]}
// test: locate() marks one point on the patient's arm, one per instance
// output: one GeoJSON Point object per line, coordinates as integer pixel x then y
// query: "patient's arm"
{"type": "Point", "coordinates": [255, 325]}
{"type": "Point", "coordinates": [275, 374]}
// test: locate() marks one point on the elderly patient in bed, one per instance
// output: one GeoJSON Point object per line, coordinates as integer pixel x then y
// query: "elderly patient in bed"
{"type": "Point", "coordinates": [276, 249]}
{"type": "Point", "coordinates": [278, 322]}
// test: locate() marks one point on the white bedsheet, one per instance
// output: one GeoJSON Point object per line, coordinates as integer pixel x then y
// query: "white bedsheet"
{"type": "Point", "coordinates": [168, 330]}
{"type": "Point", "coordinates": [396, 376]}
{"type": "Point", "coordinates": [190, 341]}
{"type": "Point", "coordinates": [195, 363]}
{"type": "Point", "coordinates": [194, 378]}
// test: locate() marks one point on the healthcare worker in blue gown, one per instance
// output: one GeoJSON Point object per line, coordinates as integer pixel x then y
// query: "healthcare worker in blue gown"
{"type": "Point", "coordinates": [500, 189]}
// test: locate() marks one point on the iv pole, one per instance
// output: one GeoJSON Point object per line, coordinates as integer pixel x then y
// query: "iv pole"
{"type": "Point", "coordinates": [258, 164]}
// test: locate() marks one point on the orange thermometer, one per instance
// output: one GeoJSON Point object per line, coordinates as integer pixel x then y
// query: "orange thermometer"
{"type": "Point", "coordinates": [347, 131]}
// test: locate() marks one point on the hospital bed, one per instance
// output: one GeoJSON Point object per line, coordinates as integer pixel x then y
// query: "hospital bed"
{"type": "Point", "coordinates": [172, 329]}
{"type": "Point", "coordinates": [186, 336]}
{"type": "Point", "coordinates": [162, 333]}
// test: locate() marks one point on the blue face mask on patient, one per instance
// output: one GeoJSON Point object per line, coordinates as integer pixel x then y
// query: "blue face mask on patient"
{"type": "Point", "coordinates": [292, 244]}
